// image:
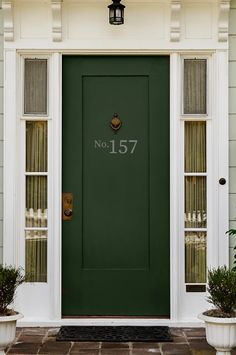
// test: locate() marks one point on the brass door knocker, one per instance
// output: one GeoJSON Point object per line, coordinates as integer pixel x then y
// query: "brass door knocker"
{"type": "Point", "coordinates": [116, 122]}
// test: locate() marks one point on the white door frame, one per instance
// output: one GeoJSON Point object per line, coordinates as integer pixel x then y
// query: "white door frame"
{"type": "Point", "coordinates": [49, 294]}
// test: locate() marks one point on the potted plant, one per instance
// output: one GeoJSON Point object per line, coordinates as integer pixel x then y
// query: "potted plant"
{"type": "Point", "coordinates": [10, 279]}
{"type": "Point", "coordinates": [221, 320]}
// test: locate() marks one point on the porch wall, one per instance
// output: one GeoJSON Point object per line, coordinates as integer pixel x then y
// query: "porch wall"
{"type": "Point", "coordinates": [1, 132]}
{"type": "Point", "coordinates": [232, 124]}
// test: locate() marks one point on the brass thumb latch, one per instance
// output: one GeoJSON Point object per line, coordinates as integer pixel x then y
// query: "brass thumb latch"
{"type": "Point", "coordinates": [67, 206]}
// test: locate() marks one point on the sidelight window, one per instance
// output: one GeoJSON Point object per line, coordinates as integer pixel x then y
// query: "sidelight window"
{"type": "Point", "coordinates": [195, 202]}
{"type": "Point", "coordinates": [195, 172]}
{"type": "Point", "coordinates": [36, 169]}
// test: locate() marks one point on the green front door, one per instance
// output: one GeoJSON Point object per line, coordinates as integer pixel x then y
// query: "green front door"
{"type": "Point", "coordinates": [115, 249]}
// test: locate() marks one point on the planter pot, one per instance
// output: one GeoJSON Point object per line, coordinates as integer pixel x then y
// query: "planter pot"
{"type": "Point", "coordinates": [8, 330]}
{"type": "Point", "coordinates": [220, 333]}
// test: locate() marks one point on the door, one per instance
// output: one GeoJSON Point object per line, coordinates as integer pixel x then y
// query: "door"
{"type": "Point", "coordinates": [115, 246]}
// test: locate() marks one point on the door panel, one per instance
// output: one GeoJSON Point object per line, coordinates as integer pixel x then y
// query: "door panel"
{"type": "Point", "coordinates": [119, 213]}
{"type": "Point", "coordinates": [116, 247]}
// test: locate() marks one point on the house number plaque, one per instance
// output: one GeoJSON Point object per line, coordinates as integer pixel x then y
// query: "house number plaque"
{"type": "Point", "coordinates": [122, 146]}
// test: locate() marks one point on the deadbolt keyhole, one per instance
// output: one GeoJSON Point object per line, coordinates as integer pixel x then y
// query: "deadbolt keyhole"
{"type": "Point", "coordinates": [68, 212]}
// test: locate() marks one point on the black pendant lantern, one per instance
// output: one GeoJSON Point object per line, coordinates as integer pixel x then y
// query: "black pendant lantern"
{"type": "Point", "coordinates": [116, 13]}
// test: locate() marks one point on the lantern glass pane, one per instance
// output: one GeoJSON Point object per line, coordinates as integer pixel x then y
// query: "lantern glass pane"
{"type": "Point", "coordinates": [111, 13]}
{"type": "Point", "coordinates": [118, 13]}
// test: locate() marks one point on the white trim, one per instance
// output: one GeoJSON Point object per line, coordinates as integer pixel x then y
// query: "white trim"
{"type": "Point", "coordinates": [13, 195]}
{"type": "Point", "coordinates": [175, 23]}
{"type": "Point", "coordinates": [62, 31]}
{"type": "Point", "coordinates": [35, 118]}
{"type": "Point", "coordinates": [195, 118]}
{"type": "Point", "coordinates": [8, 20]}
{"type": "Point", "coordinates": [195, 174]}
{"type": "Point", "coordinates": [222, 144]}
{"type": "Point", "coordinates": [10, 157]}
{"type": "Point", "coordinates": [32, 52]}
{"type": "Point", "coordinates": [45, 322]}
{"type": "Point", "coordinates": [56, 20]}
{"type": "Point", "coordinates": [55, 289]}
{"type": "Point", "coordinates": [223, 22]}
{"type": "Point", "coordinates": [174, 182]}
{"type": "Point", "coordinates": [35, 173]}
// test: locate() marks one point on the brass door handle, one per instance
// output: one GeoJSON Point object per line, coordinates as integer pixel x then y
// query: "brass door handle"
{"type": "Point", "coordinates": [67, 206]}
{"type": "Point", "coordinates": [68, 212]}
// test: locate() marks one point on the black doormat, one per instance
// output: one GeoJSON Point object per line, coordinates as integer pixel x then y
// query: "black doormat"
{"type": "Point", "coordinates": [114, 334]}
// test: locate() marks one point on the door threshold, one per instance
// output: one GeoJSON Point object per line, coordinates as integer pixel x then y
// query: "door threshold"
{"type": "Point", "coordinates": [115, 317]}
{"type": "Point", "coordinates": [128, 321]}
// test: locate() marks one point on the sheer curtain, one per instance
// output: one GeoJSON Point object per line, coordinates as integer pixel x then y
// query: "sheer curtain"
{"type": "Point", "coordinates": [195, 202]}
{"type": "Point", "coordinates": [36, 201]}
{"type": "Point", "coordinates": [195, 257]}
{"type": "Point", "coordinates": [36, 256]}
{"type": "Point", "coordinates": [195, 147]}
{"type": "Point", "coordinates": [195, 86]}
{"type": "Point", "coordinates": [36, 146]}
{"type": "Point", "coordinates": [35, 86]}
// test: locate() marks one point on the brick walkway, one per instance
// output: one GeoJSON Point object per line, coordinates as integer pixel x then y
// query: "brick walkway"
{"type": "Point", "coordinates": [186, 341]}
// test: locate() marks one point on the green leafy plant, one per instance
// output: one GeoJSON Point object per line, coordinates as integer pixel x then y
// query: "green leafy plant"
{"type": "Point", "coordinates": [222, 292]}
{"type": "Point", "coordinates": [233, 232]}
{"type": "Point", "coordinates": [10, 279]}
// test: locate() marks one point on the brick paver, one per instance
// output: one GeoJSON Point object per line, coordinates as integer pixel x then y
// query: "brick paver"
{"type": "Point", "coordinates": [186, 341]}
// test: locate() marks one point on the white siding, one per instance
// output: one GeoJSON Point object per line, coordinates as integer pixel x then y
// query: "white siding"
{"type": "Point", "coordinates": [232, 124]}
